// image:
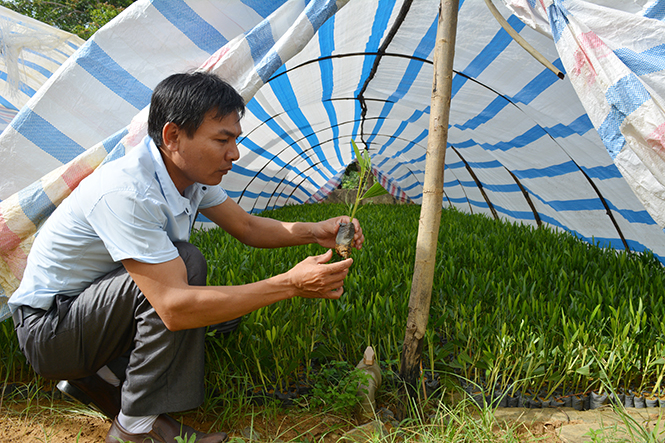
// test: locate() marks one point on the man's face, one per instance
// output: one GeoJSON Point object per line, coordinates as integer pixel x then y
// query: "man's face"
{"type": "Point", "coordinates": [208, 155]}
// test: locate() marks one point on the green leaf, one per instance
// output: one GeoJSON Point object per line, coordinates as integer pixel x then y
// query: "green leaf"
{"type": "Point", "coordinates": [364, 162]}
{"type": "Point", "coordinates": [367, 161]}
{"type": "Point", "coordinates": [584, 370]}
{"type": "Point", "coordinates": [374, 191]}
{"type": "Point", "coordinates": [359, 157]}
{"type": "Point", "coordinates": [464, 357]}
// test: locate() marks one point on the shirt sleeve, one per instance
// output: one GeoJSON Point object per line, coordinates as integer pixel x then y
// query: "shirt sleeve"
{"type": "Point", "coordinates": [214, 195]}
{"type": "Point", "coordinates": [132, 227]}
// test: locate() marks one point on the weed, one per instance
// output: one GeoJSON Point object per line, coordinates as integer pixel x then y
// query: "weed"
{"type": "Point", "coordinates": [191, 439]}
{"type": "Point", "coordinates": [336, 386]}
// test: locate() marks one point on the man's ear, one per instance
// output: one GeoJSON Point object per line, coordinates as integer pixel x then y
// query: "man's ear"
{"type": "Point", "coordinates": [170, 136]}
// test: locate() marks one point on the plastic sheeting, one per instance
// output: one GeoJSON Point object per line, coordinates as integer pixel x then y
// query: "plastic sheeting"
{"type": "Point", "coordinates": [522, 146]}
{"type": "Point", "coordinates": [30, 52]}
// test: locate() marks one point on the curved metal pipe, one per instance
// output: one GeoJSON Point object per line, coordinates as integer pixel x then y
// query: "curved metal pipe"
{"type": "Point", "coordinates": [520, 40]}
{"type": "Point", "coordinates": [536, 216]}
{"type": "Point", "coordinates": [478, 183]}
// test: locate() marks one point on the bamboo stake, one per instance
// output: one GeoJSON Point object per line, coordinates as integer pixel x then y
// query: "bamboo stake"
{"type": "Point", "coordinates": [520, 40]}
{"type": "Point", "coordinates": [430, 213]}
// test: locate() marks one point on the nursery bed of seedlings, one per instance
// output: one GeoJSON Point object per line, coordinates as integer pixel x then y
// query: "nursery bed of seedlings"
{"type": "Point", "coordinates": [519, 316]}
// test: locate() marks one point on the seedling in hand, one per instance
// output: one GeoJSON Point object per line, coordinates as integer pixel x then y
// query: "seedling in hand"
{"type": "Point", "coordinates": [346, 231]}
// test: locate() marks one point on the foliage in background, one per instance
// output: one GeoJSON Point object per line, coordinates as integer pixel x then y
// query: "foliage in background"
{"type": "Point", "coordinates": [350, 180]}
{"type": "Point", "coordinates": [81, 17]}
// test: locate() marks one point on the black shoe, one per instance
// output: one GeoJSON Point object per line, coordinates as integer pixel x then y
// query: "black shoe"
{"type": "Point", "coordinates": [165, 430]}
{"type": "Point", "coordinates": [95, 392]}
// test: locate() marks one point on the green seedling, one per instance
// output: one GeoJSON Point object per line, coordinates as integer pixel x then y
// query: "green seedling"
{"type": "Point", "coordinates": [347, 230]}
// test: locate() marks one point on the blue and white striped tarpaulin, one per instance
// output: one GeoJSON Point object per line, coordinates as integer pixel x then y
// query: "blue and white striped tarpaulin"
{"type": "Point", "coordinates": [582, 154]}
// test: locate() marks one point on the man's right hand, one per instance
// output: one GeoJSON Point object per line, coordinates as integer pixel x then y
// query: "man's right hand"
{"type": "Point", "coordinates": [182, 306]}
{"type": "Point", "coordinates": [315, 278]}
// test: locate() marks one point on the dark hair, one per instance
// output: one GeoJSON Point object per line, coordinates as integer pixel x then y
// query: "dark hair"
{"type": "Point", "coordinates": [185, 99]}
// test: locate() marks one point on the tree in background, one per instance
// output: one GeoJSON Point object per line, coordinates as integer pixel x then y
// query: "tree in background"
{"type": "Point", "coordinates": [81, 17]}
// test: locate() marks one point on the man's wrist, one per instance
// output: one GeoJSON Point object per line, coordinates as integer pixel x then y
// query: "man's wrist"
{"type": "Point", "coordinates": [284, 284]}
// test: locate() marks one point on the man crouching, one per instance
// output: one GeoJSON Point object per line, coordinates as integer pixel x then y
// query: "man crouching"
{"type": "Point", "coordinates": [114, 299]}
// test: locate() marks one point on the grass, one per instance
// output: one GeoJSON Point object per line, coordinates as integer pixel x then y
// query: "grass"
{"type": "Point", "coordinates": [526, 311]}
{"type": "Point", "coordinates": [501, 290]}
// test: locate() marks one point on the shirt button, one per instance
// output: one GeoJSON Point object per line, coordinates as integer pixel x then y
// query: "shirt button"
{"type": "Point", "coordinates": [205, 188]}
{"type": "Point", "coordinates": [187, 211]}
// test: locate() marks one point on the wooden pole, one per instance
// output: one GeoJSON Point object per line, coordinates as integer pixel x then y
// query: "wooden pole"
{"type": "Point", "coordinates": [430, 213]}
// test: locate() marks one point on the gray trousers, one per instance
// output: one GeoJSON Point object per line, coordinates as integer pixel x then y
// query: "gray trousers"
{"type": "Point", "coordinates": [111, 323]}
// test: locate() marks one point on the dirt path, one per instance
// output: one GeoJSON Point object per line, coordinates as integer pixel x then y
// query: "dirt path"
{"type": "Point", "coordinates": [63, 422]}
{"type": "Point", "coordinates": [52, 426]}
{"type": "Point", "coordinates": [572, 426]}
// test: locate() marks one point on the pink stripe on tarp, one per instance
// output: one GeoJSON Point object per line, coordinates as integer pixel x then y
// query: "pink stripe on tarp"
{"type": "Point", "coordinates": [390, 186]}
{"type": "Point", "coordinates": [8, 239]}
{"type": "Point", "coordinates": [76, 172]}
{"type": "Point", "coordinates": [10, 250]}
{"type": "Point", "coordinates": [657, 139]}
{"type": "Point", "coordinates": [216, 57]}
{"type": "Point", "coordinates": [589, 43]}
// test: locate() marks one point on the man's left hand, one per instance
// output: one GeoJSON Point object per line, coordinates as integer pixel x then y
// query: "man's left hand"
{"type": "Point", "coordinates": [325, 232]}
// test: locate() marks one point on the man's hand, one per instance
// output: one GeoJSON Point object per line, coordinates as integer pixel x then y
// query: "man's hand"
{"type": "Point", "coordinates": [326, 231]}
{"type": "Point", "coordinates": [264, 232]}
{"type": "Point", "coordinates": [313, 278]}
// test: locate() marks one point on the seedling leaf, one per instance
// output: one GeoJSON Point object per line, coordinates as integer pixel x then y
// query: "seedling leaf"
{"type": "Point", "coordinates": [374, 191]}
{"type": "Point", "coordinates": [584, 370]}
{"type": "Point", "coordinates": [359, 157]}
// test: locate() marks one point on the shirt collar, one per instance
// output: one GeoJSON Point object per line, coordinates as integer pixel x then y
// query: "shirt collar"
{"type": "Point", "coordinates": [176, 202]}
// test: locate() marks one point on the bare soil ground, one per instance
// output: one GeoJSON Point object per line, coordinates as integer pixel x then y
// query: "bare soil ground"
{"type": "Point", "coordinates": [61, 421]}
{"type": "Point", "coordinates": [65, 422]}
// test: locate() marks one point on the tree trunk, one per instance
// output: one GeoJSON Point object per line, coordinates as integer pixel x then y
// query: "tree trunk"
{"type": "Point", "coordinates": [430, 214]}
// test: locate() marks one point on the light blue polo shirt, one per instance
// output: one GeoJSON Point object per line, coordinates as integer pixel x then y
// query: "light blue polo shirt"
{"type": "Point", "coordinates": [127, 208]}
